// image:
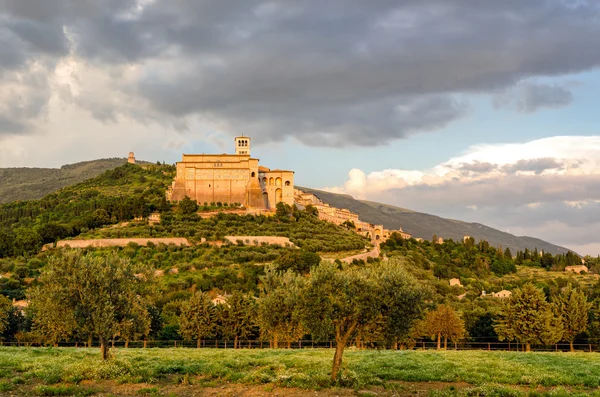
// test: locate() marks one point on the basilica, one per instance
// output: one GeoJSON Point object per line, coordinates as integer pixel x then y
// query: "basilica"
{"type": "Point", "coordinates": [232, 178]}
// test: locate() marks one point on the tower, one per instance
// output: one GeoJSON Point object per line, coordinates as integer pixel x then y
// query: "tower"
{"type": "Point", "coordinates": [242, 145]}
{"type": "Point", "coordinates": [131, 158]}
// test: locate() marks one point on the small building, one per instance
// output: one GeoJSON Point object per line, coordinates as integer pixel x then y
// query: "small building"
{"type": "Point", "coordinates": [577, 269]}
{"type": "Point", "coordinates": [154, 218]}
{"type": "Point", "coordinates": [465, 238]}
{"type": "Point", "coordinates": [131, 158]}
{"type": "Point", "coordinates": [20, 305]}
{"type": "Point", "coordinates": [455, 281]}
{"type": "Point", "coordinates": [502, 294]}
{"type": "Point", "coordinates": [439, 240]}
{"type": "Point", "coordinates": [219, 300]}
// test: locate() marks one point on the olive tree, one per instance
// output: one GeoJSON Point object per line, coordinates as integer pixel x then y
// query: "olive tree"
{"type": "Point", "coordinates": [99, 293]}
{"type": "Point", "coordinates": [279, 314]}
{"type": "Point", "coordinates": [344, 302]}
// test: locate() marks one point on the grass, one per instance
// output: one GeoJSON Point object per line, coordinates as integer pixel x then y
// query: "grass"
{"type": "Point", "coordinates": [308, 369]}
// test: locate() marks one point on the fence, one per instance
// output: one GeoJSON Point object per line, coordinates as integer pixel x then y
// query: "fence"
{"type": "Point", "coordinates": [465, 344]}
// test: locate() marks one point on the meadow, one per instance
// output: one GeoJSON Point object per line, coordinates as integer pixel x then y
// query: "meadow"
{"type": "Point", "coordinates": [79, 371]}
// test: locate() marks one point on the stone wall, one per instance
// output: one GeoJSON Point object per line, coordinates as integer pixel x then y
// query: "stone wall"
{"type": "Point", "coordinates": [258, 240]}
{"type": "Point", "coordinates": [117, 242]}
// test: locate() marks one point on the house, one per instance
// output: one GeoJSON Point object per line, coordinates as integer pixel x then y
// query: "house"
{"type": "Point", "coordinates": [577, 269]}
{"type": "Point", "coordinates": [21, 305]}
{"type": "Point", "coordinates": [154, 218]}
{"type": "Point", "coordinates": [219, 300]}
{"type": "Point", "coordinates": [502, 294]}
{"type": "Point", "coordinates": [455, 281]}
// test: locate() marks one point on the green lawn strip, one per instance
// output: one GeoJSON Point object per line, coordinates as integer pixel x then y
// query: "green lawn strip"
{"type": "Point", "coordinates": [308, 368]}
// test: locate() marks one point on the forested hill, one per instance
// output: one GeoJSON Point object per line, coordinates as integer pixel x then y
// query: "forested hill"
{"type": "Point", "coordinates": [425, 225]}
{"type": "Point", "coordinates": [35, 183]}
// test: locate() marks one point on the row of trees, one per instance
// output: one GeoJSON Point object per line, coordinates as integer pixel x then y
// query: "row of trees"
{"type": "Point", "coordinates": [468, 259]}
{"type": "Point", "coordinates": [86, 296]}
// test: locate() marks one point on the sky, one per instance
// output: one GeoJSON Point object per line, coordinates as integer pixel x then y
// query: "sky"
{"type": "Point", "coordinates": [482, 111]}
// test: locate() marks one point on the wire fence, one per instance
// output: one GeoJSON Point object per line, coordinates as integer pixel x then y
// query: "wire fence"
{"type": "Point", "coordinates": [465, 344]}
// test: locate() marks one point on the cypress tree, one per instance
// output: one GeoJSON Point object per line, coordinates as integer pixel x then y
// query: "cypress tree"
{"type": "Point", "coordinates": [573, 308]}
{"type": "Point", "coordinates": [528, 318]}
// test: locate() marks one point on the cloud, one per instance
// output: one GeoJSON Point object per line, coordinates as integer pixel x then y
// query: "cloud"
{"type": "Point", "coordinates": [338, 73]}
{"type": "Point", "coordinates": [529, 97]}
{"type": "Point", "coordinates": [555, 196]}
{"type": "Point", "coordinates": [537, 166]}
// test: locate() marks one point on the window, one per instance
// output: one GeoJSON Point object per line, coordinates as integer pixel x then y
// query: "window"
{"type": "Point", "coordinates": [287, 183]}
{"type": "Point", "coordinates": [253, 175]}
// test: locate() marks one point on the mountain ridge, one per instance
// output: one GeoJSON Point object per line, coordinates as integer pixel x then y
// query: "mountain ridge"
{"type": "Point", "coordinates": [32, 183]}
{"type": "Point", "coordinates": [425, 226]}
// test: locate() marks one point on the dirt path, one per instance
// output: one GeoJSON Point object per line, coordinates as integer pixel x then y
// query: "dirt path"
{"type": "Point", "coordinates": [374, 253]}
{"type": "Point", "coordinates": [111, 388]}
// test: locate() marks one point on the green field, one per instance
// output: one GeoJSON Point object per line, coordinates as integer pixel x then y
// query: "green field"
{"type": "Point", "coordinates": [79, 371]}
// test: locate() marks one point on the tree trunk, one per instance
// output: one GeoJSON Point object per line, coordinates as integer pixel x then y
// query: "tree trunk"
{"type": "Point", "coordinates": [439, 341]}
{"type": "Point", "coordinates": [445, 342]}
{"type": "Point", "coordinates": [89, 343]}
{"type": "Point", "coordinates": [103, 348]}
{"type": "Point", "coordinates": [337, 358]}
{"type": "Point", "coordinates": [527, 347]}
{"type": "Point", "coordinates": [126, 343]}
{"type": "Point", "coordinates": [289, 344]}
{"type": "Point", "coordinates": [235, 342]}
{"type": "Point", "coordinates": [571, 346]}
{"type": "Point", "coordinates": [198, 343]}
{"type": "Point", "coordinates": [340, 344]}
{"type": "Point", "coordinates": [275, 344]}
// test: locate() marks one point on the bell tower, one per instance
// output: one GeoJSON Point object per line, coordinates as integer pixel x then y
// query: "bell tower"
{"type": "Point", "coordinates": [242, 145]}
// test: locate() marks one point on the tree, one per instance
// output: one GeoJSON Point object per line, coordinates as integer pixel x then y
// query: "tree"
{"type": "Point", "coordinates": [342, 302]}
{"type": "Point", "coordinates": [573, 309]}
{"type": "Point", "coordinates": [198, 319]}
{"type": "Point", "coordinates": [52, 232]}
{"type": "Point", "coordinates": [188, 206]}
{"type": "Point", "coordinates": [5, 311]}
{"type": "Point", "coordinates": [528, 318]}
{"type": "Point", "coordinates": [444, 322]}
{"type": "Point", "coordinates": [299, 261]}
{"type": "Point", "coordinates": [136, 325]}
{"type": "Point", "coordinates": [26, 241]}
{"type": "Point", "coordinates": [282, 210]}
{"type": "Point", "coordinates": [6, 243]}
{"type": "Point", "coordinates": [98, 294]}
{"type": "Point", "coordinates": [237, 317]}
{"type": "Point", "coordinates": [279, 314]}
{"type": "Point", "coordinates": [403, 303]}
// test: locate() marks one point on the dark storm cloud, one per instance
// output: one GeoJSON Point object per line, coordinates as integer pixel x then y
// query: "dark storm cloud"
{"type": "Point", "coordinates": [330, 73]}
{"type": "Point", "coordinates": [529, 97]}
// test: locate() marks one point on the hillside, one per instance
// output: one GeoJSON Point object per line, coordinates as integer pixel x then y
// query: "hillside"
{"type": "Point", "coordinates": [35, 183]}
{"type": "Point", "coordinates": [425, 225]}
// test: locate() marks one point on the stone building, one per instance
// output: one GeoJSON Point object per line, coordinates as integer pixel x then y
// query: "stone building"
{"type": "Point", "coordinates": [131, 158]}
{"type": "Point", "coordinates": [577, 269]}
{"type": "Point", "coordinates": [232, 178]}
{"type": "Point", "coordinates": [342, 215]}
